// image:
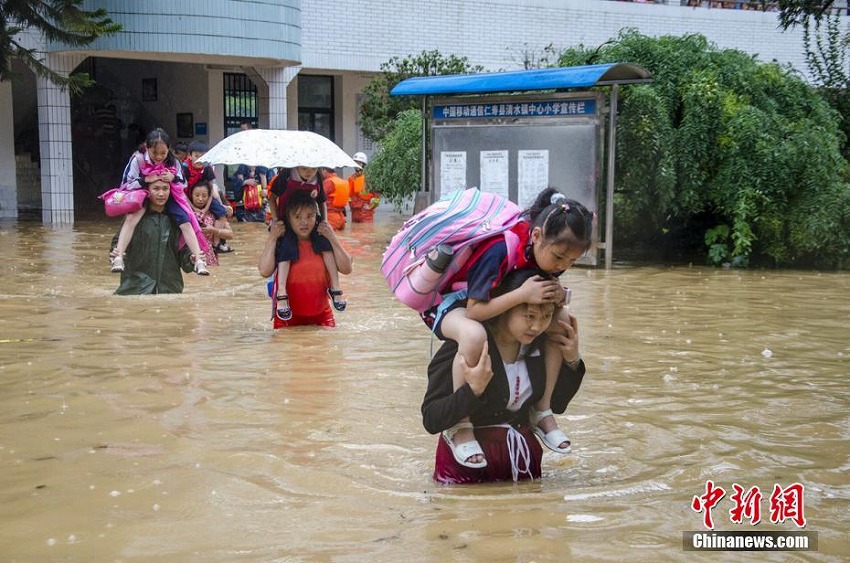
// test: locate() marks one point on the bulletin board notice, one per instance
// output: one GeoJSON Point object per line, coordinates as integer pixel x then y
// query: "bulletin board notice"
{"type": "Point", "coordinates": [518, 160]}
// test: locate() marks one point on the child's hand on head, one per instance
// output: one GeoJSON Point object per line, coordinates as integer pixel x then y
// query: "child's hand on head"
{"type": "Point", "coordinates": [538, 290]}
{"type": "Point", "coordinates": [563, 298]}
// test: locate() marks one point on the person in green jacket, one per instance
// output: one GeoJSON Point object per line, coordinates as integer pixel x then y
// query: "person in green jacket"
{"type": "Point", "coordinates": [153, 260]}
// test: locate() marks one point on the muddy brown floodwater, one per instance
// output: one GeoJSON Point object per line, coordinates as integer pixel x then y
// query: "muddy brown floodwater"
{"type": "Point", "coordinates": [182, 428]}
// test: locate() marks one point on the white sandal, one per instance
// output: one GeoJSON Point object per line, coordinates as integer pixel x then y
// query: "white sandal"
{"type": "Point", "coordinates": [201, 266]}
{"type": "Point", "coordinates": [117, 263]}
{"type": "Point", "coordinates": [551, 439]}
{"type": "Point", "coordinates": [463, 452]}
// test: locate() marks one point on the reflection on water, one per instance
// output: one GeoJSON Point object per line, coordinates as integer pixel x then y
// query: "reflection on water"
{"type": "Point", "coordinates": [183, 428]}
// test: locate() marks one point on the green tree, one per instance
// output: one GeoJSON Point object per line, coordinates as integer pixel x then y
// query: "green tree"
{"type": "Point", "coordinates": [827, 58]}
{"type": "Point", "coordinates": [795, 12]}
{"type": "Point", "coordinates": [724, 155]}
{"type": "Point", "coordinates": [61, 21]}
{"type": "Point", "coordinates": [379, 109]}
{"type": "Point", "coordinates": [395, 172]}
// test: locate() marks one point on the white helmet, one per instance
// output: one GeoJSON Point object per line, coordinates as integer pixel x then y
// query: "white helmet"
{"type": "Point", "coordinates": [360, 157]}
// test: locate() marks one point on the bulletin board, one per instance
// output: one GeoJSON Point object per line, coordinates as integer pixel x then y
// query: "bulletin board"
{"type": "Point", "coordinates": [518, 146]}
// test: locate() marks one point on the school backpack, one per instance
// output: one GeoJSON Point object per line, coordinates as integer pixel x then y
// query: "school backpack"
{"type": "Point", "coordinates": [462, 219]}
{"type": "Point", "coordinates": [251, 198]}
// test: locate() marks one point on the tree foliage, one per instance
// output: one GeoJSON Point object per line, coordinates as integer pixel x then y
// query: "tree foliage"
{"type": "Point", "coordinates": [736, 158]}
{"type": "Point", "coordinates": [395, 172]}
{"type": "Point", "coordinates": [827, 57]}
{"type": "Point", "coordinates": [61, 21]}
{"type": "Point", "coordinates": [797, 12]}
{"type": "Point", "coordinates": [379, 109]}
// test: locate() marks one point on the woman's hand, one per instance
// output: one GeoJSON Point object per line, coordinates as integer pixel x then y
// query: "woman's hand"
{"type": "Point", "coordinates": [538, 290]}
{"type": "Point", "coordinates": [479, 375]}
{"type": "Point", "coordinates": [277, 229]}
{"type": "Point", "coordinates": [326, 230]}
{"type": "Point", "coordinates": [566, 339]}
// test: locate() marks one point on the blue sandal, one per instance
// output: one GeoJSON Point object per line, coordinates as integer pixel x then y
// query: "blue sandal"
{"type": "Point", "coordinates": [338, 305]}
{"type": "Point", "coordinates": [283, 313]}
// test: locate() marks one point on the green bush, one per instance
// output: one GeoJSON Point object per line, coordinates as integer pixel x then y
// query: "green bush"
{"type": "Point", "coordinates": [379, 109]}
{"type": "Point", "coordinates": [721, 143]}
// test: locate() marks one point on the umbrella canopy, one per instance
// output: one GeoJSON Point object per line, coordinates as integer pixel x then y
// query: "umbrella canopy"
{"type": "Point", "coordinates": [274, 148]}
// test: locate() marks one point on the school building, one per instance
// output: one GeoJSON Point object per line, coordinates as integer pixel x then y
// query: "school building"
{"type": "Point", "coordinates": [199, 68]}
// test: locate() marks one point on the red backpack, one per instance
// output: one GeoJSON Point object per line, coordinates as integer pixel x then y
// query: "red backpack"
{"type": "Point", "coordinates": [251, 198]}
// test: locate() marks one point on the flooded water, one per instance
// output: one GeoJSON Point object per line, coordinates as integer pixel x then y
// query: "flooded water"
{"type": "Point", "coordinates": [182, 428]}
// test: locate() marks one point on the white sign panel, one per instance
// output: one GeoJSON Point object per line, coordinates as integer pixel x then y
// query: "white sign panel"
{"type": "Point", "coordinates": [494, 172]}
{"type": "Point", "coordinates": [452, 171]}
{"type": "Point", "coordinates": [532, 175]}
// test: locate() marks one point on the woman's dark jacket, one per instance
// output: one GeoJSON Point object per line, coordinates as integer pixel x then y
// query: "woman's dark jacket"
{"type": "Point", "coordinates": [442, 408]}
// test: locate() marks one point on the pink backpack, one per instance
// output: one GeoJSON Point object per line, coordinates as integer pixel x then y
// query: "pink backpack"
{"type": "Point", "coordinates": [125, 198]}
{"type": "Point", "coordinates": [462, 219]}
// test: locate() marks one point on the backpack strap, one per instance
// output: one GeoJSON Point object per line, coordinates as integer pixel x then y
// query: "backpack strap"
{"type": "Point", "coordinates": [512, 242]}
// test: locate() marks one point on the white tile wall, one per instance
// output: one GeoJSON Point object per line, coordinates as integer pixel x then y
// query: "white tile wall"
{"type": "Point", "coordinates": [359, 35]}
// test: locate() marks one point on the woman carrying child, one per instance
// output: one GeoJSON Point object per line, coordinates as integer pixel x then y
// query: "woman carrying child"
{"type": "Point", "coordinates": [288, 182]}
{"type": "Point", "coordinates": [551, 235]}
{"type": "Point", "coordinates": [157, 162]}
{"type": "Point", "coordinates": [216, 231]}
{"type": "Point", "coordinates": [502, 386]}
{"type": "Point", "coordinates": [308, 281]}
{"type": "Point", "coordinates": [196, 172]}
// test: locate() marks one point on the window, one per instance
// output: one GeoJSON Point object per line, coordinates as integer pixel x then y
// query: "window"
{"type": "Point", "coordinates": [240, 102]}
{"type": "Point", "coordinates": [316, 105]}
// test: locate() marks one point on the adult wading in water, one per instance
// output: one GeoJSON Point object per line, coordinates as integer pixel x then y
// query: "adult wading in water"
{"type": "Point", "coordinates": [502, 387]}
{"type": "Point", "coordinates": [153, 259]}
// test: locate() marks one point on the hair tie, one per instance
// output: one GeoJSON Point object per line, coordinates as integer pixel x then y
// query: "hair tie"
{"type": "Point", "coordinates": [558, 198]}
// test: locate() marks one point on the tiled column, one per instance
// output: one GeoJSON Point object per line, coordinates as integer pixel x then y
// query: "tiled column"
{"type": "Point", "coordinates": [54, 131]}
{"type": "Point", "coordinates": [277, 79]}
{"type": "Point", "coordinates": [8, 181]}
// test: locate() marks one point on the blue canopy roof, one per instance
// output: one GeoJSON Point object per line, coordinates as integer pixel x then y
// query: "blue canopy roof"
{"type": "Point", "coordinates": [524, 80]}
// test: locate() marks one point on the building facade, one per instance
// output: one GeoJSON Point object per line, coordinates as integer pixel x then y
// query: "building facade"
{"type": "Point", "coordinates": [199, 68]}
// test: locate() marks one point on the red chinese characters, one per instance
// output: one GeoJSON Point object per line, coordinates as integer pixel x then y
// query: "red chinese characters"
{"type": "Point", "coordinates": [787, 504]}
{"type": "Point", "coordinates": [706, 502]}
{"type": "Point", "coordinates": [747, 504]}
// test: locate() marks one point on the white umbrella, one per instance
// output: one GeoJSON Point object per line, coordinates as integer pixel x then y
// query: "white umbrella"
{"type": "Point", "coordinates": [273, 148]}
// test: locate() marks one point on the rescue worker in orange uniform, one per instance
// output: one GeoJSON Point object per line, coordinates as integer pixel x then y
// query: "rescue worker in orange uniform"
{"type": "Point", "coordinates": [337, 191]}
{"type": "Point", "coordinates": [362, 203]}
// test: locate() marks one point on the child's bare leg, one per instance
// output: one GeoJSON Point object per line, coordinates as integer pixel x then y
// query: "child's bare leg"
{"type": "Point", "coordinates": [125, 235]}
{"type": "Point", "coordinates": [190, 237]}
{"type": "Point", "coordinates": [470, 337]}
{"type": "Point", "coordinates": [335, 290]}
{"type": "Point", "coordinates": [553, 362]}
{"type": "Point", "coordinates": [218, 224]}
{"type": "Point", "coordinates": [283, 309]}
{"type": "Point", "coordinates": [330, 266]}
{"type": "Point", "coordinates": [192, 242]}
